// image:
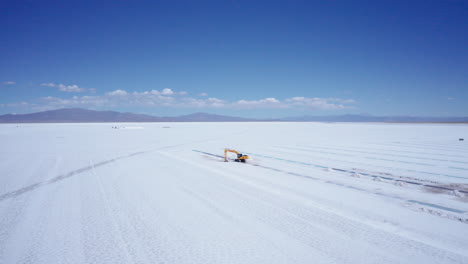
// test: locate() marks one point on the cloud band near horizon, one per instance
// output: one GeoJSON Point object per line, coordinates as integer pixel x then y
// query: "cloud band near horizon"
{"type": "Point", "coordinates": [172, 99]}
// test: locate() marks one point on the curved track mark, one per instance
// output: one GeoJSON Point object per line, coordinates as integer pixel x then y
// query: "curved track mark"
{"type": "Point", "coordinates": [34, 186]}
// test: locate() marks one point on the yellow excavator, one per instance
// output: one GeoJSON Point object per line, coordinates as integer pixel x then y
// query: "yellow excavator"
{"type": "Point", "coordinates": [240, 157]}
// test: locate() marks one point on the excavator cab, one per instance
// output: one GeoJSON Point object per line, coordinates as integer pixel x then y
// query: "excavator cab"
{"type": "Point", "coordinates": [240, 156]}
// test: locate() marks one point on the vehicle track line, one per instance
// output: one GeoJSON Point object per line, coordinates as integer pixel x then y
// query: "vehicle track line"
{"type": "Point", "coordinates": [382, 154]}
{"type": "Point", "coordinates": [372, 175]}
{"type": "Point", "coordinates": [410, 170]}
{"type": "Point", "coordinates": [34, 186]}
{"type": "Point", "coordinates": [314, 218]}
{"type": "Point", "coordinates": [415, 146]}
{"type": "Point", "coordinates": [352, 187]}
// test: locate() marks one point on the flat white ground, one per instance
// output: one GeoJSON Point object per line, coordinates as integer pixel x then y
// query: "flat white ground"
{"type": "Point", "coordinates": [160, 193]}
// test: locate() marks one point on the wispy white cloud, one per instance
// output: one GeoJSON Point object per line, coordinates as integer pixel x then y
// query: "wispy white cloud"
{"type": "Point", "coordinates": [48, 84]}
{"type": "Point", "coordinates": [170, 98]}
{"type": "Point", "coordinates": [68, 88]}
{"type": "Point", "coordinates": [167, 91]}
{"type": "Point", "coordinates": [263, 103]}
{"type": "Point", "coordinates": [19, 104]}
{"type": "Point", "coordinates": [118, 93]}
{"type": "Point", "coordinates": [203, 94]}
{"type": "Point", "coordinates": [202, 103]}
{"type": "Point", "coordinates": [320, 103]}
{"type": "Point", "coordinates": [9, 82]}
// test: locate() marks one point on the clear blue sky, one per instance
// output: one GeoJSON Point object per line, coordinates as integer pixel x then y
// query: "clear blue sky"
{"type": "Point", "coordinates": [244, 58]}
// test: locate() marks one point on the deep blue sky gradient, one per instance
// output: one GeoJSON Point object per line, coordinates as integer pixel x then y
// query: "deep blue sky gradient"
{"type": "Point", "coordinates": [390, 57]}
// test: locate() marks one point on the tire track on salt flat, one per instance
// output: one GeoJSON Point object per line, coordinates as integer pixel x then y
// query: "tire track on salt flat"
{"type": "Point", "coordinates": [361, 163]}
{"type": "Point", "coordinates": [306, 220]}
{"type": "Point", "coordinates": [401, 151]}
{"type": "Point", "coordinates": [145, 242]}
{"type": "Point", "coordinates": [111, 216]}
{"type": "Point", "coordinates": [408, 146]}
{"type": "Point", "coordinates": [13, 216]}
{"type": "Point", "coordinates": [356, 188]}
{"type": "Point", "coordinates": [216, 195]}
{"type": "Point", "coordinates": [432, 145]}
{"type": "Point", "coordinates": [247, 228]}
{"type": "Point", "coordinates": [227, 227]}
{"type": "Point", "coordinates": [61, 177]}
{"type": "Point", "coordinates": [381, 154]}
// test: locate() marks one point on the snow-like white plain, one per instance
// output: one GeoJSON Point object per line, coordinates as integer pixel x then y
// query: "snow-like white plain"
{"type": "Point", "coordinates": [160, 193]}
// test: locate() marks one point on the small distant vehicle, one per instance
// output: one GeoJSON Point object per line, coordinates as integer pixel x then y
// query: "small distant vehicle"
{"type": "Point", "coordinates": [240, 156]}
{"type": "Point", "coordinates": [461, 139]}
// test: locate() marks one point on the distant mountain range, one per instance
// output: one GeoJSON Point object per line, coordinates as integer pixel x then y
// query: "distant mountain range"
{"type": "Point", "coordinates": [78, 115]}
